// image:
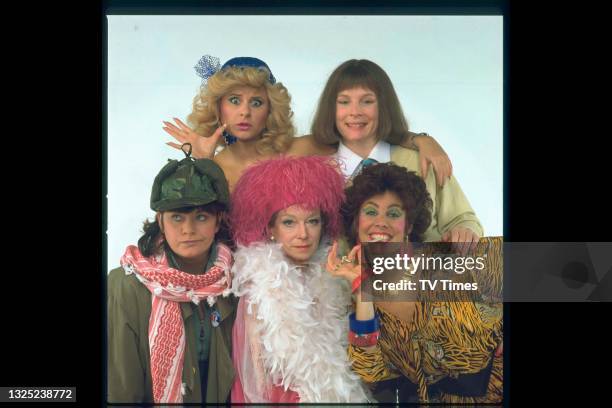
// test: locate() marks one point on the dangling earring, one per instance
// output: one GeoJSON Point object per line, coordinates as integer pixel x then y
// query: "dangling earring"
{"type": "Point", "coordinates": [229, 139]}
{"type": "Point", "coordinates": [271, 237]}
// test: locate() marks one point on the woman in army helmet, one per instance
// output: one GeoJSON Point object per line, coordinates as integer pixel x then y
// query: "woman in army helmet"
{"type": "Point", "coordinates": [166, 345]}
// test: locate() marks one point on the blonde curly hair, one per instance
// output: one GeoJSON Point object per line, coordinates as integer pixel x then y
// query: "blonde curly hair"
{"type": "Point", "coordinates": [279, 131]}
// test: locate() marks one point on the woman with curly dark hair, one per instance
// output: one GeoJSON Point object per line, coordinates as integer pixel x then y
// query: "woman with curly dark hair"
{"type": "Point", "coordinates": [388, 180]}
{"type": "Point", "coordinates": [413, 351]}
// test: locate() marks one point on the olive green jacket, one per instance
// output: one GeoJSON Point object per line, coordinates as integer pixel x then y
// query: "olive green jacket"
{"type": "Point", "coordinates": [129, 362]}
{"type": "Point", "coordinates": [451, 207]}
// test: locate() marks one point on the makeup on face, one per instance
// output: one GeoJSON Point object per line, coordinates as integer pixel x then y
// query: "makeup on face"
{"type": "Point", "coordinates": [298, 231]}
{"type": "Point", "coordinates": [245, 111]}
{"type": "Point", "coordinates": [382, 218]}
{"type": "Point", "coordinates": [357, 115]}
{"type": "Point", "coordinates": [189, 235]}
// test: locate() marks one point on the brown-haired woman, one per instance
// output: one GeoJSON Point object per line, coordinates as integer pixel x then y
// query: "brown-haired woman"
{"type": "Point", "coordinates": [359, 114]}
{"type": "Point", "coordinates": [170, 307]}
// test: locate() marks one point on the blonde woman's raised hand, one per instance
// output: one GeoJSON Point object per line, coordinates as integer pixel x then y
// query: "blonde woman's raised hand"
{"type": "Point", "coordinates": [203, 147]}
{"type": "Point", "coordinates": [345, 267]}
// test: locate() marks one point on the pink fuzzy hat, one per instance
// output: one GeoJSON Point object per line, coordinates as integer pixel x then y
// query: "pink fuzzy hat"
{"type": "Point", "coordinates": [273, 185]}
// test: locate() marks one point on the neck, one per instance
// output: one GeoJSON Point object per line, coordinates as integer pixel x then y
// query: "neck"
{"type": "Point", "coordinates": [362, 148]}
{"type": "Point", "coordinates": [245, 151]}
{"type": "Point", "coordinates": [194, 266]}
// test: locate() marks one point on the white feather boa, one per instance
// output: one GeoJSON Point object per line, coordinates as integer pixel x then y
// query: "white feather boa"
{"type": "Point", "coordinates": [302, 321]}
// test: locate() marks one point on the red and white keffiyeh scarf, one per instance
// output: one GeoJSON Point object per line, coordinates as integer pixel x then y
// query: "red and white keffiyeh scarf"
{"type": "Point", "coordinates": [166, 329]}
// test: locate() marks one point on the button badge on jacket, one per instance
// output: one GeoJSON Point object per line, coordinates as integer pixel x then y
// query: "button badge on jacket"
{"type": "Point", "coordinates": [215, 318]}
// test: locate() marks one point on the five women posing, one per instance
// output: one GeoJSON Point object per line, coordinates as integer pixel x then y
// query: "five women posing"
{"type": "Point", "coordinates": [289, 340]}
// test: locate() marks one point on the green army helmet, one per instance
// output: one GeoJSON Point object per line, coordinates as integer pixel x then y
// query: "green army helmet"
{"type": "Point", "coordinates": [189, 183]}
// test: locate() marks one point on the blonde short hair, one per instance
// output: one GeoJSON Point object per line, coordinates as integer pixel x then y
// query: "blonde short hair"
{"type": "Point", "coordinates": [279, 131]}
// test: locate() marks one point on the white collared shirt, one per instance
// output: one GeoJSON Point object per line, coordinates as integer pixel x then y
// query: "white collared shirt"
{"type": "Point", "coordinates": [381, 152]}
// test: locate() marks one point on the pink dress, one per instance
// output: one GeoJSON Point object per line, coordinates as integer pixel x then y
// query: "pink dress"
{"type": "Point", "coordinates": [251, 384]}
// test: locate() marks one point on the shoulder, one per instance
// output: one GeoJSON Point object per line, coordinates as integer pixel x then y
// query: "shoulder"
{"type": "Point", "coordinates": [124, 288]}
{"type": "Point", "coordinates": [261, 254]}
{"type": "Point", "coordinates": [223, 158]}
{"type": "Point", "coordinates": [402, 152]}
{"type": "Point", "coordinates": [117, 279]}
{"type": "Point", "coordinates": [227, 304]}
{"type": "Point", "coordinates": [406, 158]}
{"type": "Point", "coordinates": [308, 146]}
{"type": "Point", "coordinates": [258, 266]}
{"type": "Point", "coordinates": [231, 169]}
{"type": "Point", "coordinates": [128, 300]}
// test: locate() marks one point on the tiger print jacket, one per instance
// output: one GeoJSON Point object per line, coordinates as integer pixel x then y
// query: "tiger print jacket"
{"type": "Point", "coordinates": [444, 339]}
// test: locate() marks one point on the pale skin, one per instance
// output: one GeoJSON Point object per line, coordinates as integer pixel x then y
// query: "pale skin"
{"type": "Point", "coordinates": [242, 105]}
{"type": "Point", "coordinates": [298, 231]}
{"type": "Point", "coordinates": [189, 236]}
{"type": "Point", "coordinates": [236, 158]}
{"type": "Point", "coordinates": [357, 122]}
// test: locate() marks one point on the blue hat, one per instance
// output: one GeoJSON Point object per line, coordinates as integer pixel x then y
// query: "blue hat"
{"type": "Point", "coordinates": [249, 62]}
{"type": "Point", "coordinates": [208, 66]}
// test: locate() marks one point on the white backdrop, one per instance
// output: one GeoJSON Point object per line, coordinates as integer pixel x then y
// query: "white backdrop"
{"type": "Point", "coordinates": [447, 71]}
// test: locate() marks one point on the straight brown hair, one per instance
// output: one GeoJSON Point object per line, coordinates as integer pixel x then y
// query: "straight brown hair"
{"type": "Point", "coordinates": [392, 125]}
